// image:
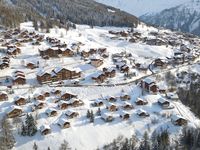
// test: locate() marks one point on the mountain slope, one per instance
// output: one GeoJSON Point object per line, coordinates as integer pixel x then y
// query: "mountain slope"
{"type": "Point", "coordinates": [185, 17]}
{"type": "Point", "coordinates": [141, 7]}
{"type": "Point", "coordinates": [81, 12]}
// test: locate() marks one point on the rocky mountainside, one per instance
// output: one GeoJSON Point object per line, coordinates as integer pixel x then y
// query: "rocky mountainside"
{"type": "Point", "coordinates": [80, 12]}
{"type": "Point", "coordinates": [141, 7]}
{"type": "Point", "coordinates": [185, 17]}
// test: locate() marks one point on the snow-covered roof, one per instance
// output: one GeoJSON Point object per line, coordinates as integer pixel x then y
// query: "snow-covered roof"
{"type": "Point", "coordinates": [44, 127]}
{"type": "Point", "coordinates": [39, 102]}
{"type": "Point", "coordinates": [17, 97]}
{"type": "Point", "coordinates": [62, 121]}
{"type": "Point", "coordinates": [110, 104]}
{"type": "Point", "coordinates": [106, 115]}
{"type": "Point", "coordinates": [162, 100]}
{"type": "Point", "coordinates": [13, 107]}
{"type": "Point", "coordinates": [50, 110]}
{"type": "Point", "coordinates": [176, 117]}
{"type": "Point", "coordinates": [140, 99]}
{"type": "Point", "coordinates": [124, 113]}
{"type": "Point", "coordinates": [139, 111]}
{"type": "Point", "coordinates": [3, 92]}
{"type": "Point", "coordinates": [69, 112]}
{"type": "Point", "coordinates": [149, 80]}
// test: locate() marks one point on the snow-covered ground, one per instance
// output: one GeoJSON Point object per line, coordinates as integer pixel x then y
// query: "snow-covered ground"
{"type": "Point", "coordinates": [82, 134]}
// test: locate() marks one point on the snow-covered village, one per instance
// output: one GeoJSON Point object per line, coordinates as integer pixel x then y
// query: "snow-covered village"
{"type": "Point", "coordinates": [88, 87]}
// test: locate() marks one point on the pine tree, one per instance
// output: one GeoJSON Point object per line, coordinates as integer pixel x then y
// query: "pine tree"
{"type": "Point", "coordinates": [99, 112]}
{"type": "Point", "coordinates": [30, 125]}
{"type": "Point", "coordinates": [64, 146]}
{"type": "Point", "coordinates": [48, 148]}
{"type": "Point", "coordinates": [23, 130]}
{"type": "Point", "coordinates": [35, 147]}
{"type": "Point", "coordinates": [7, 140]}
{"type": "Point", "coordinates": [145, 144]}
{"type": "Point", "coordinates": [91, 117]}
{"type": "Point", "coordinates": [88, 114]}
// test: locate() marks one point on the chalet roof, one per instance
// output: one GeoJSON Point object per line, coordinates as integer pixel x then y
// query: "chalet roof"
{"type": "Point", "coordinates": [140, 99]}
{"type": "Point", "coordinates": [50, 110]}
{"type": "Point", "coordinates": [106, 115]}
{"type": "Point", "coordinates": [122, 112]}
{"type": "Point", "coordinates": [42, 72]}
{"type": "Point", "coordinates": [162, 100]}
{"type": "Point", "coordinates": [172, 95]}
{"type": "Point", "coordinates": [65, 92]}
{"type": "Point", "coordinates": [62, 121]}
{"type": "Point", "coordinates": [126, 103]}
{"type": "Point", "coordinates": [62, 102]}
{"type": "Point", "coordinates": [18, 97]}
{"type": "Point", "coordinates": [44, 127]}
{"type": "Point", "coordinates": [69, 112]}
{"type": "Point", "coordinates": [110, 104]}
{"type": "Point", "coordinates": [14, 107]}
{"type": "Point", "coordinates": [37, 103]}
{"type": "Point", "coordinates": [3, 92]}
{"type": "Point", "coordinates": [149, 80]}
{"type": "Point", "coordinates": [57, 69]}
{"type": "Point", "coordinates": [18, 77]}
{"type": "Point", "coordinates": [139, 111]}
{"type": "Point", "coordinates": [72, 100]}
{"type": "Point", "coordinates": [98, 100]}
{"type": "Point", "coordinates": [176, 117]}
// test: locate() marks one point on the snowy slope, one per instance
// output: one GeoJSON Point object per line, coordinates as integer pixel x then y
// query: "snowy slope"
{"type": "Point", "coordinates": [185, 17]}
{"type": "Point", "coordinates": [141, 7]}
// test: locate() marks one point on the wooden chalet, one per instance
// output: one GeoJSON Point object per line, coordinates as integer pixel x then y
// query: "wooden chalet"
{"type": "Point", "coordinates": [3, 96]}
{"type": "Point", "coordinates": [39, 96]}
{"type": "Point", "coordinates": [163, 102]}
{"type": "Point", "coordinates": [75, 102]}
{"type": "Point", "coordinates": [179, 120]}
{"type": "Point", "coordinates": [127, 106]}
{"type": "Point", "coordinates": [43, 77]}
{"type": "Point", "coordinates": [109, 72]}
{"type": "Point", "coordinates": [99, 78]}
{"type": "Point", "coordinates": [71, 114]}
{"type": "Point", "coordinates": [124, 115]}
{"type": "Point", "coordinates": [107, 117]}
{"type": "Point", "coordinates": [124, 96]}
{"type": "Point", "coordinates": [19, 80]}
{"type": "Point", "coordinates": [19, 100]}
{"type": "Point", "coordinates": [51, 112]}
{"type": "Point", "coordinates": [31, 65]}
{"type": "Point", "coordinates": [96, 62]}
{"type": "Point", "coordinates": [46, 93]}
{"type": "Point", "coordinates": [142, 113]}
{"type": "Point", "coordinates": [64, 123]}
{"type": "Point", "coordinates": [45, 129]}
{"type": "Point", "coordinates": [61, 73]}
{"type": "Point", "coordinates": [67, 96]}
{"type": "Point", "coordinates": [39, 104]}
{"type": "Point", "coordinates": [159, 63]}
{"type": "Point", "coordinates": [140, 101]}
{"type": "Point", "coordinates": [111, 98]}
{"type": "Point", "coordinates": [4, 65]}
{"type": "Point", "coordinates": [111, 107]}
{"type": "Point", "coordinates": [56, 92]}
{"type": "Point", "coordinates": [97, 103]}
{"type": "Point", "coordinates": [149, 85]}
{"type": "Point", "coordinates": [14, 111]}
{"type": "Point", "coordinates": [63, 105]}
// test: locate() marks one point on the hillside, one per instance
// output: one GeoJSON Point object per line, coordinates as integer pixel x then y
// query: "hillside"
{"type": "Point", "coordinates": [60, 11]}
{"type": "Point", "coordinates": [185, 17]}
{"type": "Point", "coordinates": [119, 74]}
{"type": "Point", "coordinates": [141, 7]}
